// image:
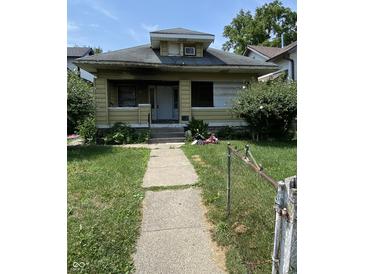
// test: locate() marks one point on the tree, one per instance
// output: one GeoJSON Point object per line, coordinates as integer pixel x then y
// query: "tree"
{"type": "Point", "coordinates": [80, 101]}
{"type": "Point", "coordinates": [97, 50]}
{"type": "Point", "coordinates": [268, 107]}
{"type": "Point", "coordinates": [264, 28]}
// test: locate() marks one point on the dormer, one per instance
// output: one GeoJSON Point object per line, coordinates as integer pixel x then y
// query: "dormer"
{"type": "Point", "coordinates": [181, 42]}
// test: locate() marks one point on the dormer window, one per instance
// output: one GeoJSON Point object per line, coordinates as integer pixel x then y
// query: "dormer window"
{"type": "Point", "coordinates": [189, 51]}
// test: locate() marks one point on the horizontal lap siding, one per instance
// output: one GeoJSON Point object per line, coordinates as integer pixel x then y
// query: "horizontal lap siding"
{"type": "Point", "coordinates": [101, 114]}
{"type": "Point", "coordinates": [213, 115]}
{"type": "Point", "coordinates": [199, 50]}
{"type": "Point", "coordinates": [125, 116]}
{"type": "Point", "coordinates": [185, 98]}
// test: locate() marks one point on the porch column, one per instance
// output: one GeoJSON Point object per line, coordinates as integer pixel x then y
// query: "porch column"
{"type": "Point", "coordinates": [101, 100]}
{"type": "Point", "coordinates": [184, 101]}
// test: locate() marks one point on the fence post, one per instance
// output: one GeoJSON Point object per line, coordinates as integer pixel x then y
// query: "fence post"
{"type": "Point", "coordinates": [228, 179]}
{"type": "Point", "coordinates": [279, 202]}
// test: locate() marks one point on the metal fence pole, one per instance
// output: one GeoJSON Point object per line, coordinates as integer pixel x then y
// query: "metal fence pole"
{"type": "Point", "coordinates": [279, 202]}
{"type": "Point", "coordinates": [228, 179]}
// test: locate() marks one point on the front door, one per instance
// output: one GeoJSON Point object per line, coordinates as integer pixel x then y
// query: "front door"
{"type": "Point", "coordinates": [165, 102]}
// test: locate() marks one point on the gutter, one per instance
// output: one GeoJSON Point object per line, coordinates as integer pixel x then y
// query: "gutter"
{"type": "Point", "coordinates": [181, 66]}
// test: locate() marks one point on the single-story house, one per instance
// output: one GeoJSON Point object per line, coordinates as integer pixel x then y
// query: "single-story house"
{"type": "Point", "coordinates": [175, 77]}
{"type": "Point", "coordinates": [78, 52]}
{"type": "Point", "coordinates": [284, 57]}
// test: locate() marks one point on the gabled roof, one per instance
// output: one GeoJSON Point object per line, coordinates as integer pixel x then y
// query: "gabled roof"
{"type": "Point", "coordinates": [78, 51]}
{"type": "Point", "coordinates": [180, 31]}
{"type": "Point", "coordinates": [270, 52]}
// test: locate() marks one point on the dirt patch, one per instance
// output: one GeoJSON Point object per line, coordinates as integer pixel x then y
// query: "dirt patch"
{"type": "Point", "coordinates": [219, 252]}
{"type": "Point", "coordinates": [200, 161]}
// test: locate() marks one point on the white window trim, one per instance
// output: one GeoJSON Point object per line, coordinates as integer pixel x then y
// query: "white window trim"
{"type": "Point", "coordinates": [189, 54]}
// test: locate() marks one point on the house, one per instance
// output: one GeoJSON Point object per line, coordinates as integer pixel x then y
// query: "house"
{"type": "Point", "coordinates": [165, 83]}
{"type": "Point", "coordinates": [285, 58]}
{"type": "Point", "coordinates": [77, 52]}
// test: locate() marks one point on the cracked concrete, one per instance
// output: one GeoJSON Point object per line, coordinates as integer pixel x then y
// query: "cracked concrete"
{"type": "Point", "coordinates": [174, 234]}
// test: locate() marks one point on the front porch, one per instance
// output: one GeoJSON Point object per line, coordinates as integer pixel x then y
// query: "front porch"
{"type": "Point", "coordinates": [156, 103]}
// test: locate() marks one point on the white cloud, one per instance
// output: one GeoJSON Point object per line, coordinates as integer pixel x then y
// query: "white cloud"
{"type": "Point", "coordinates": [106, 13]}
{"type": "Point", "coordinates": [71, 26]}
{"type": "Point", "coordinates": [149, 28]}
{"type": "Point", "coordinates": [133, 34]}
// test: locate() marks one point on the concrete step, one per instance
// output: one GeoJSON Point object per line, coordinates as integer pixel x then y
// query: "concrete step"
{"type": "Point", "coordinates": [166, 140]}
{"type": "Point", "coordinates": [167, 129]}
{"type": "Point", "coordinates": [167, 134]}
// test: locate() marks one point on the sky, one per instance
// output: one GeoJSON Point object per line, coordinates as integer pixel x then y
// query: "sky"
{"type": "Point", "coordinates": [118, 24]}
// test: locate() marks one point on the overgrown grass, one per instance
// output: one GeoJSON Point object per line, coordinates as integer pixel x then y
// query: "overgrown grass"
{"type": "Point", "coordinates": [104, 198]}
{"type": "Point", "coordinates": [248, 233]}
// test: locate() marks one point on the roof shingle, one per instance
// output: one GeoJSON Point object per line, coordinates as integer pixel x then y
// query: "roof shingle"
{"type": "Point", "coordinates": [180, 31]}
{"type": "Point", "coordinates": [78, 51]}
{"type": "Point", "coordinates": [146, 55]}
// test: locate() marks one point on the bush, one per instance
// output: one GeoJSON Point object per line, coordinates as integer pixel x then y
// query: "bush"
{"type": "Point", "coordinates": [122, 133]}
{"type": "Point", "coordinates": [269, 107]}
{"type": "Point", "coordinates": [87, 130]}
{"type": "Point", "coordinates": [198, 126]}
{"type": "Point", "coordinates": [80, 101]}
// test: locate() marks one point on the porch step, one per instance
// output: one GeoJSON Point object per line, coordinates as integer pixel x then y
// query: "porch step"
{"type": "Point", "coordinates": [166, 140]}
{"type": "Point", "coordinates": [167, 132]}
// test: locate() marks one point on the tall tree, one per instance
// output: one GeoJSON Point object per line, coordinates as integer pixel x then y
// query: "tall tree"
{"type": "Point", "coordinates": [264, 28]}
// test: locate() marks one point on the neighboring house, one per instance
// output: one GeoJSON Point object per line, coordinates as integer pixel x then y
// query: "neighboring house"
{"type": "Point", "coordinates": [167, 82]}
{"type": "Point", "coordinates": [77, 52]}
{"type": "Point", "coordinates": [285, 58]}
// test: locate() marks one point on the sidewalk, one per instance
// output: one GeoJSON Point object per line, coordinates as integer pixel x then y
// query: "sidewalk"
{"type": "Point", "coordinates": [174, 235]}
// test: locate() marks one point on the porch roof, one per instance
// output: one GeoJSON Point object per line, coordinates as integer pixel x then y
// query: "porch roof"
{"type": "Point", "coordinates": [145, 56]}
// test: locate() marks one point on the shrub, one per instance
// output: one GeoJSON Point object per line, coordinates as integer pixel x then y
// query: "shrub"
{"type": "Point", "coordinates": [122, 133]}
{"type": "Point", "coordinates": [198, 126]}
{"type": "Point", "coordinates": [80, 101]}
{"type": "Point", "coordinates": [226, 133]}
{"type": "Point", "coordinates": [87, 130]}
{"type": "Point", "coordinates": [269, 107]}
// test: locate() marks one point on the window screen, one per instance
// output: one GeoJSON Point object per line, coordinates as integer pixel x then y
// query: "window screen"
{"type": "Point", "coordinates": [127, 96]}
{"type": "Point", "coordinates": [201, 94]}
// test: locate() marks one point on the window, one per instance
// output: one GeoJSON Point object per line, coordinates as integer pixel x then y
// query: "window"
{"type": "Point", "coordinates": [126, 96]}
{"type": "Point", "coordinates": [201, 94]}
{"type": "Point", "coordinates": [174, 49]}
{"type": "Point", "coordinates": [189, 51]}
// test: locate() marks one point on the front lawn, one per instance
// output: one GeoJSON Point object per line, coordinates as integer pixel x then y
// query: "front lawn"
{"type": "Point", "coordinates": [103, 203]}
{"type": "Point", "coordinates": [248, 233]}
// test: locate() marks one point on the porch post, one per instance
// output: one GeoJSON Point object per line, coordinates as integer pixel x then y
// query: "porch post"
{"type": "Point", "coordinates": [184, 101]}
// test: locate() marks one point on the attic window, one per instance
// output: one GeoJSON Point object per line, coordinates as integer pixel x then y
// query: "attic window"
{"type": "Point", "coordinates": [190, 51]}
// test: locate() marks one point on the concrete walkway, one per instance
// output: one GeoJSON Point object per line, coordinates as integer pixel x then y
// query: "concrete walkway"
{"type": "Point", "coordinates": [174, 235]}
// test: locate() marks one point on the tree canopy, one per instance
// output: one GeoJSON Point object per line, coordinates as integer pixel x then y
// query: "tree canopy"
{"type": "Point", "coordinates": [265, 27]}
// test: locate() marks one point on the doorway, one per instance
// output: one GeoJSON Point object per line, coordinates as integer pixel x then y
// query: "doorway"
{"type": "Point", "coordinates": [165, 106]}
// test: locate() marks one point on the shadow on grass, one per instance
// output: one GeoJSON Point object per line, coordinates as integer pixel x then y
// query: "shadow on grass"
{"type": "Point", "coordinates": [77, 153]}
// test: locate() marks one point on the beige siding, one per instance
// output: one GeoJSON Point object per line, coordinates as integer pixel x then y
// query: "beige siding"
{"type": "Point", "coordinates": [124, 115]}
{"type": "Point", "coordinates": [199, 50]}
{"type": "Point", "coordinates": [185, 99]}
{"type": "Point", "coordinates": [133, 115]}
{"type": "Point", "coordinates": [101, 114]}
{"type": "Point", "coordinates": [164, 48]}
{"type": "Point", "coordinates": [213, 114]}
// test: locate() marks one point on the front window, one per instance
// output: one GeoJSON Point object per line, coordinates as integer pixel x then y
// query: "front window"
{"type": "Point", "coordinates": [126, 96]}
{"type": "Point", "coordinates": [202, 94]}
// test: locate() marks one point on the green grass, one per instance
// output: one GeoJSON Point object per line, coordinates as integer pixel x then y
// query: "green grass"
{"type": "Point", "coordinates": [104, 207]}
{"type": "Point", "coordinates": [252, 199]}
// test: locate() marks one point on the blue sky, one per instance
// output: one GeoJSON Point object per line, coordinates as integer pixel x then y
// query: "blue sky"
{"type": "Point", "coordinates": [113, 24]}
